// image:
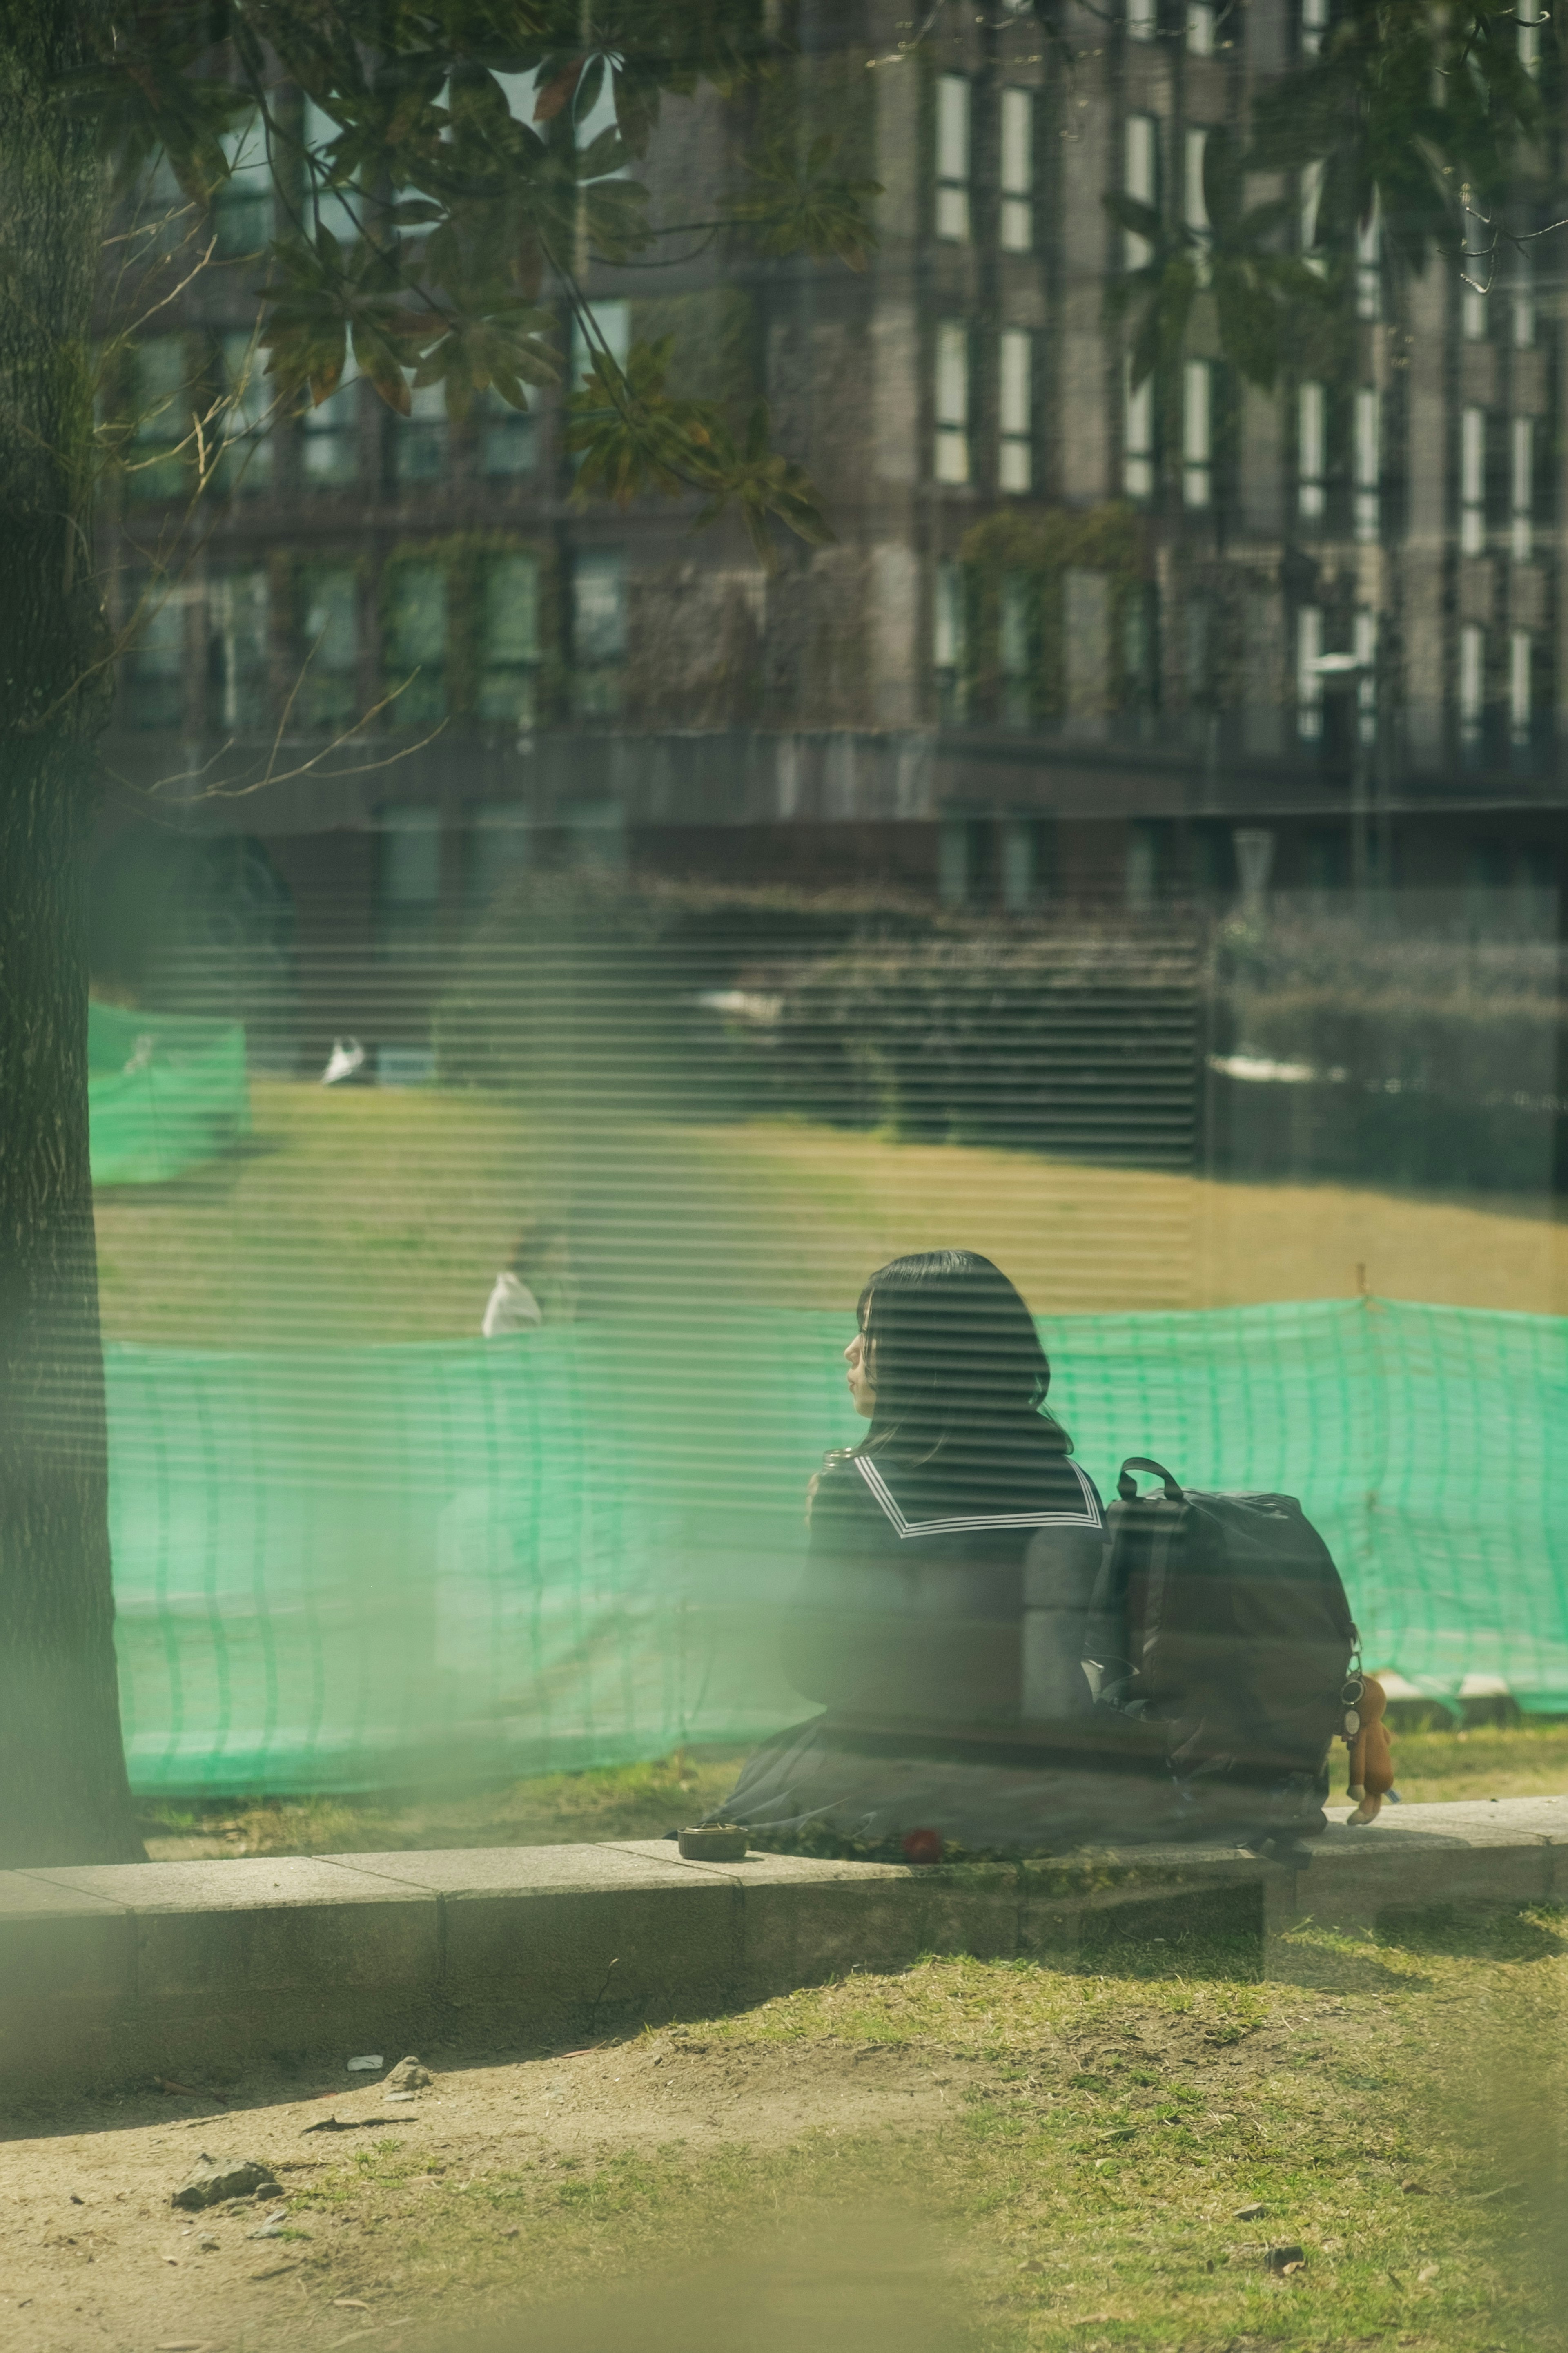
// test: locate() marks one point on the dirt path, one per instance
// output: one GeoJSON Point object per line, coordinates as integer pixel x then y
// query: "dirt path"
{"type": "Point", "coordinates": [93, 2254]}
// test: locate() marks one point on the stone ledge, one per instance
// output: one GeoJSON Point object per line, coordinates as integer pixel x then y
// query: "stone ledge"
{"type": "Point", "coordinates": [113, 1973]}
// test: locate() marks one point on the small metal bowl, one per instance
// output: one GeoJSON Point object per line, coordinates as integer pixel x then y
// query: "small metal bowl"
{"type": "Point", "coordinates": [714, 1843]}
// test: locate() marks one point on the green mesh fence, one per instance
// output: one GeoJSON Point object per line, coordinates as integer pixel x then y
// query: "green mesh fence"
{"type": "Point", "coordinates": [164, 1091]}
{"type": "Point", "coordinates": [390, 1567]}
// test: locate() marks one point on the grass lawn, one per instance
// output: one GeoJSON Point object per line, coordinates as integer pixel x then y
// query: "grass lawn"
{"type": "Point", "coordinates": [995, 2156]}
{"type": "Point", "coordinates": [646, 1800]}
{"type": "Point", "coordinates": [372, 1216]}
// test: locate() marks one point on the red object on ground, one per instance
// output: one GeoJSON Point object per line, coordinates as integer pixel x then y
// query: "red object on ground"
{"type": "Point", "coordinates": [923, 1846]}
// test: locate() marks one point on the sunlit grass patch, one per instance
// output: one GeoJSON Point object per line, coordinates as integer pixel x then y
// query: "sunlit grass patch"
{"type": "Point", "coordinates": [1104, 2136]}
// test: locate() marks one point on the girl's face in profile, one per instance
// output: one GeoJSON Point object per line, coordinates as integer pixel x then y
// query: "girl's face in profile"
{"type": "Point", "coordinates": [861, 1387]}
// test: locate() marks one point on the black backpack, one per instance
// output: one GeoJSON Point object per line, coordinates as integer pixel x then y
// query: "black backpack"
{"type": "Point", "coordinates": [1223, 1620]}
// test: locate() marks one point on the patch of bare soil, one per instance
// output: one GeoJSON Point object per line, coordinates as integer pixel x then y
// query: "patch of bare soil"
{"type": "Point", "coordinates": [93, 2255]}
{"type": "Point", "coordinates": [95, 2259]}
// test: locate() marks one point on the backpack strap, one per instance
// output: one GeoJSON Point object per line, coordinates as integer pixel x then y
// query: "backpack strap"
{"type": "Point", "coordinates": [1127, 1486]}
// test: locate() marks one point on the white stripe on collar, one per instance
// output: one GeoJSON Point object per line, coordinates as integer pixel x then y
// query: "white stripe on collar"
{"type": "Point", "coordinates": [1088, 1518]}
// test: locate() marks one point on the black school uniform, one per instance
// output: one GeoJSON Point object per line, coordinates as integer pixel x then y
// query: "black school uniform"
{"type": "Point", "coordinates": [912, 1602]}
{"type": "Point", "coordinates": [937, 1606]}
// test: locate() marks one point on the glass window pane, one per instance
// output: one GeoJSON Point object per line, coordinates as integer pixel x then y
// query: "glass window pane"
{"type": "Point", "coordinates": [328, 693]}
{"type": "Point", "coordinates": [239, 650]}
{"type": "Point", "coordinates": [330, 433]}
{"type": "Point", "coordinates": [507, 437]}
{"type": "Point", "coordinates": [416, 644]}
{"type": "Point", "coordinates": [509, 653]}
{"type": "Point", "coordinates": [242, 206]}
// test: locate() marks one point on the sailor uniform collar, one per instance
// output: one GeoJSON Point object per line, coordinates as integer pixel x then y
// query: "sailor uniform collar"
{"type": "Point", "coordinates": [970, 1522]}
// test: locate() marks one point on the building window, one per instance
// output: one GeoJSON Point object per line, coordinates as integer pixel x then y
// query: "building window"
{"type": "Point", "coordinates": [949, 643]}
{"type": "Point", "coordinates": [1524, 304]}
{"type": "Point", "coordinates": [1021, 863]}
{"type": "Point", "coordinates": [408, 871]}
{"type": "Point", "coordinates": [1198, 434]}
{"type": "Point", "coordinates": [498, 848]}
{"type": "Point", "coordinates": [1141, 648]}
{"type": "Point", "coordinates": [1368, 463]}
{"type": "Point", "coordinates": [419, 445]}
{"type": "Point", "coordinates": [1472, 482]}
{"type": "Point", "coordinates": [509, 659]}
{"type": "Point", "coordinates": [1314, 25]}
{"type": "Point", "coordinates": [329, 435]}
{"type": "Point", "coordinates": [1016, 456]}
{"type": "Point", "coordinates": [1141, 179]}
{"type": "Point", "coordinates": [1308, 198]}
{"type": "Point", "coordinates": [1521, 652]}
{"type": "Point", "coordinates": [156, 467]}
{"type": "Point", "coordinates": [245, 459]}
{"type": "Point", "coordinates": [155, 664]}
{"type": "Point", "coordinates": [238, 652]}
{"type": "Point", "coordinates": [952, 157]}
{"type": "Point", "coordinates": [506, 439]}
{"type": "Point", "coordinates": [1308, 678]}
{"type": "Point", "coordinates": [1200, 29]}
{"type": "Point", "coordinates": [1531, 16]}
{"type": "Point", "coordinates": [1138, 432]}
{"type": "Point", "coordinates": [1311, 451]}
{"type": "Point", "coordinates": [1369, 264]}
{"type": "Point", "coordinates": [1521, 487]}
{"type": "Point", "coordinates": [1013, 648]}
{"type": "Point", "coordinates": [334, 208]}
{"type": "Point", "coordinates": [1142, 19]}
{"type": "Point", "coordinates": [952, 457]}
{"type": "Point", "coordinates": [416, 644]}
{"type": "Point", "coordinates": [1364, 645]}
{"type": "Point", "coordinates": [1474, 309]}
{"type": "Point", "coordinates": [1018, 220]}
{"type": "Point", "coordinates": [612, 333]}
{"type": "Point", "coordinates": [1194, 206]}
{"type": "Point", "coordinates": [242, 204]}
{"type": "Point", "coordinates": [1472, 682]}
{"type": "Point", "coordinates": [598, 631]}
{"type": "Point", "coordinates": [328, 692]}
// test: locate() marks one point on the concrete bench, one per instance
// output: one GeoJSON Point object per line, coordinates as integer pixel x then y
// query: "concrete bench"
{"type": "Point", "coordinates": [111, 1974]}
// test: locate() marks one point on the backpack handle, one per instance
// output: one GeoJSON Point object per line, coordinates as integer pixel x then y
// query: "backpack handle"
{"type": "Point", "coordinates": [1127, 1487]}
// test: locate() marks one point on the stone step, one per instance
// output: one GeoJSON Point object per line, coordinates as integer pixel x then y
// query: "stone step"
{"type": "Point", "coordinates": [109, 1974]}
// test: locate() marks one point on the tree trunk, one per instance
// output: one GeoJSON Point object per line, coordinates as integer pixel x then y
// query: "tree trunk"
{"type": "Point", "coordinates": [64, 1795]}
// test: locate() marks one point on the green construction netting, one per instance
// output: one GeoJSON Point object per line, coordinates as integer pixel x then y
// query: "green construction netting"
{"type": "Point", "coordinates": [391, 1565]}
{"type": "Point", "coordinates": [164, 1091]}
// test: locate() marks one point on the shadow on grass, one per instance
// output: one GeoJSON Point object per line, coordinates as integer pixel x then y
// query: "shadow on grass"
{"type": "Point", "coordinates": [1210, 1932]}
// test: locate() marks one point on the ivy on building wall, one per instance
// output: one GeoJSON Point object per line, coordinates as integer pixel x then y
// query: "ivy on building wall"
{"type": "Point", "coordinates": [1053, 599]}
{"type": "Point", "coordinates": [463, 561]}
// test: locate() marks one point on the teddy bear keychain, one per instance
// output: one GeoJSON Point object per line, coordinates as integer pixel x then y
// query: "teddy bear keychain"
{"type": "Point", "coordinates": [1365, 1737]}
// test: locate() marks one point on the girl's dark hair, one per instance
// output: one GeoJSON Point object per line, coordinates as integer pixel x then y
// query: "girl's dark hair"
{"type": "Point", "coordinates": [956, 1362]}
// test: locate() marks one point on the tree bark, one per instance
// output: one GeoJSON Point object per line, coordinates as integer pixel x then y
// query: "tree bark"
{"type": "Point", "coordinates": [64, 1794]}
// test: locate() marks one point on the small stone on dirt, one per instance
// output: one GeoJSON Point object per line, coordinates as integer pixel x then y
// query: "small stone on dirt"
{"type": "Point", "coordinates": [1284, 2258]}
{"type": "Point", "coordinates": [216, 2181]}
{"type": "Point", "coordinates": [1250, 2213]}
{"type": "Point", "coordinates": [410, 2076]}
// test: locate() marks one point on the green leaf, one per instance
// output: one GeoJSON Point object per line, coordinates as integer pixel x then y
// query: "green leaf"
{"type": "Point", "coordinates": [809, 207]}
{"type": "Point", "coordinates": [143, 98]}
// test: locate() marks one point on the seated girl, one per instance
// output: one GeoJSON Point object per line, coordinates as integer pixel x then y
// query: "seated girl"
{"type": "Point", "coordinates": [941, 1617]}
